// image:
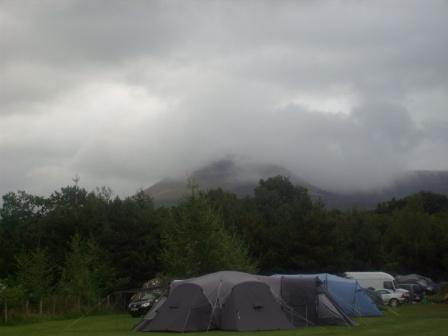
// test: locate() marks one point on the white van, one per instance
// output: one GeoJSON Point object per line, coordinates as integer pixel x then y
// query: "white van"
{"type": "Point", "coordinates": [378, 281]}
{"type": "Point", "coordinates": [373, 280]}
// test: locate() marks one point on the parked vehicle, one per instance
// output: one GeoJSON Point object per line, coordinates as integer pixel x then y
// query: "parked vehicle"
{"type": "Point", "coordinates": [373, 280]}
{"type": "Point", "coordinates": [416, 292]}
{"type": "Point", "coordinates": [391, 298]}
{"type": "Point", "coordinates": [428, 285]}
{"type": "Point", "coordinates": [143, 301]}
{"type": "Point", "coordinates": [378, 281]}
{"type": "Point", "coordinates": [375, 297]}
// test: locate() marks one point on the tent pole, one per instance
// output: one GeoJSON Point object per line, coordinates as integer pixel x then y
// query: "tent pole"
{"type": "Point", "coordinates": [186, 319]}
{"type": "Point", "coordinates": [214, 306]}
{"type": "Point", "coordinates": [306, 315]}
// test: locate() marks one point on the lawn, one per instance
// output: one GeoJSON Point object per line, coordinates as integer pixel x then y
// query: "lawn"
{"type": "Point", "coordinates": [407, 320]}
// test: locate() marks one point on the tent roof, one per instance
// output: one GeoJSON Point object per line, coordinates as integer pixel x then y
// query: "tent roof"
{"type": "Point", "coordinates": [218, 285]}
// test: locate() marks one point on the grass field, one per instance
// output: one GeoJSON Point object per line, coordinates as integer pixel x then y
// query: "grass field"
{"type": "Point", "coordinates": [407, 320]}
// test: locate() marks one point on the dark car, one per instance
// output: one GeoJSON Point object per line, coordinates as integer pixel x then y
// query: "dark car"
{"type": "Point", "coordinates": [416, 292]}
{"type": "Point", "coordinates": [428, 285]}
{"type": "Point", "coordinates": [143, 301]}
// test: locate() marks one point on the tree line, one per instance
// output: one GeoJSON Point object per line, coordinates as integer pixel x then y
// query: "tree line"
{"type": "Point", "coordinates": [69, 250]}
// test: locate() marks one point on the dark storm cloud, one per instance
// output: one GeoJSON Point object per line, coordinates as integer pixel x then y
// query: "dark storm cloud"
{"type": "Point", "coordinates": [347, 94]}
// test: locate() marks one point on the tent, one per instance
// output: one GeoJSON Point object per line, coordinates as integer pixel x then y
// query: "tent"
{"type": "Point", "coordinates": [239, 301]}
{"type": "Point", "coordinates": [306, 302]}
{"type": "Point", "coordinates": [224, 300]}
{"type": "Point", "coordinates": [347, 293]}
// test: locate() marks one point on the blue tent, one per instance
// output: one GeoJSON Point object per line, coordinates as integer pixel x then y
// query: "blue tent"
{"type": "Point", "coordinates": [347, 293]}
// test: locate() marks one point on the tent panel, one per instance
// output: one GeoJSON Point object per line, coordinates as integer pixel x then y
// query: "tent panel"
{"type": "Point", "coordinates": [186, 309]}
{"type": "Point", "coordinates": [347, 293]}
{"type": "Point", "coordinates": [299, 296]}
{"type": "Point", "coordinates": [251, 306]}
{"type": "Point", "coordinates": [327, 312]}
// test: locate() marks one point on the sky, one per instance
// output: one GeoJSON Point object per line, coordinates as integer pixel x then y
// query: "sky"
{"type": "Point", "coordinates": [348, 95]}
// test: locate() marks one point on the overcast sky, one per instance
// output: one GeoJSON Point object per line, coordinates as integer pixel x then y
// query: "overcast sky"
{"type": "Point", "coordinates": [345, 94]}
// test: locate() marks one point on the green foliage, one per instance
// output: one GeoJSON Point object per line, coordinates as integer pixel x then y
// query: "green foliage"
{"type": "Point", "coordinates": [86, 274]}
{"type": "Point", "coordinates": [131, 238]}
{"type": "Point", "coordinates": [426, 202]}
{"type": "Point", "coordinates": [195, 241]}
{"type": "Point", "coordinates": [12, 294]}
{"type": "Point", "coordinates": [34, 273]}
{"type": "Point", "coordinates": [284, 234]}
{"type": "Point", "coordinates": [20, 227]}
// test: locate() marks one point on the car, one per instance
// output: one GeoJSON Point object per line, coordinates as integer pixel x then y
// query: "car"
{"type": "Point", "coordinates": [406, 294]}
{"type": "Point", "coordinates": [416, 292]}
{"type": "Point", "coordinates": [375, 297]}
{"type": "Point", "coordinates": [391, 298]}
{"type": "Point", "coordinates": [377, 281]}
{"type": "Point", "coordinates": [143, 301]}
{"type": "Point", "coordinates": [428, 285]}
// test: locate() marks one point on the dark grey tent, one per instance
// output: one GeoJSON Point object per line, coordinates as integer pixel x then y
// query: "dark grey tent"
{"type": "Point", "coordinates": [307, 302]}
{"type": "Point", "coordinates": [240, 301]}
{"type": "Point", "coordinates": [223, 300]}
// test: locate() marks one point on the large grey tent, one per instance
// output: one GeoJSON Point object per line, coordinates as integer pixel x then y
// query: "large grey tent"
{"type": "Point", "coordinates": [223, 300]}
{"type": "Point", "coordinates": [240, 301]}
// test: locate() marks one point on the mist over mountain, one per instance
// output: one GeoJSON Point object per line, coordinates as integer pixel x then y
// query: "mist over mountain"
{"type": "Point", "coordinates": [241, 179]}
{"type": "Point", "coordinates": [346, 95]}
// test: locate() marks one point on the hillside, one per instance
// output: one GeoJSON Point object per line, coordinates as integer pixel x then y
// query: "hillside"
{"type": "Point", "coordinates": [241, 179]}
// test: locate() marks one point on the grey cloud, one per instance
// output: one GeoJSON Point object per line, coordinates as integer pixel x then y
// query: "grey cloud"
{"type": "Point", "coordinates": [125, 94]}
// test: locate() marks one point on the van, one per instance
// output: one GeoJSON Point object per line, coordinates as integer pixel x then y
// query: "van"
{"type": "Point", "coordinates": [373, 280]}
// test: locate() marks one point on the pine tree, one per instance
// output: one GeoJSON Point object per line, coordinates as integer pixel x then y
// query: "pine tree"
{"type": "Point", "coordinates": [86, 274]}
{"type": "Point", "coordinates": [195, 241]}
{"type": "Point", "coordinates": [34, 275]}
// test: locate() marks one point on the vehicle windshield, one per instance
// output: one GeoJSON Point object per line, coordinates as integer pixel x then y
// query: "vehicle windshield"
{"type": "Point", "coordinates": [146, 296]}
{"type": "Point", "coordinates": [389, 285]}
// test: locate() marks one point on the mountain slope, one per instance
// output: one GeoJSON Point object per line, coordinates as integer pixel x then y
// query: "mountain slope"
{"type": "Point", "coordinates": [241, 179]}
{"type": "Point", "coordinates": [226, 174]}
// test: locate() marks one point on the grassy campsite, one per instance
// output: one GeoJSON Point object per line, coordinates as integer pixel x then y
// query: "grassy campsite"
{"type": "Point", "coordinates": [428, 319]}
{"type": "Point", "coordinates": [91, 257]}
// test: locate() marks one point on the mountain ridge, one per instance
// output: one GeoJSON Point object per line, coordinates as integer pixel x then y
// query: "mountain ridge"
{"type": "Point", "coordinates": [241, 179]}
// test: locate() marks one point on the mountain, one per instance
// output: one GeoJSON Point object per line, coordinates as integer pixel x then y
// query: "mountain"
{"type": "Point", "coordinates": [241, 179]}
{"type": "Point", "coordinates": [409, 183]}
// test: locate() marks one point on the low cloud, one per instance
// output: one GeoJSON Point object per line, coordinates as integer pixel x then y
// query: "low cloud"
{"type": "Point", "coordinates": [346, 95]}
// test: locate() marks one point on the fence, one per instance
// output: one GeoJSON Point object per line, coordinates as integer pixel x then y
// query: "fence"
{"type": "Point", "coordinates": [61, 305]}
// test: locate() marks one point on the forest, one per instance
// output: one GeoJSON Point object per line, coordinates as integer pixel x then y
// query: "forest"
{"type": "Point", "coordinates": [73, 248]}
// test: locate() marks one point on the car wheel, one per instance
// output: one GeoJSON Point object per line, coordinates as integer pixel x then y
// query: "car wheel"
{"type": "Point", "coordinates": [393, 302]}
